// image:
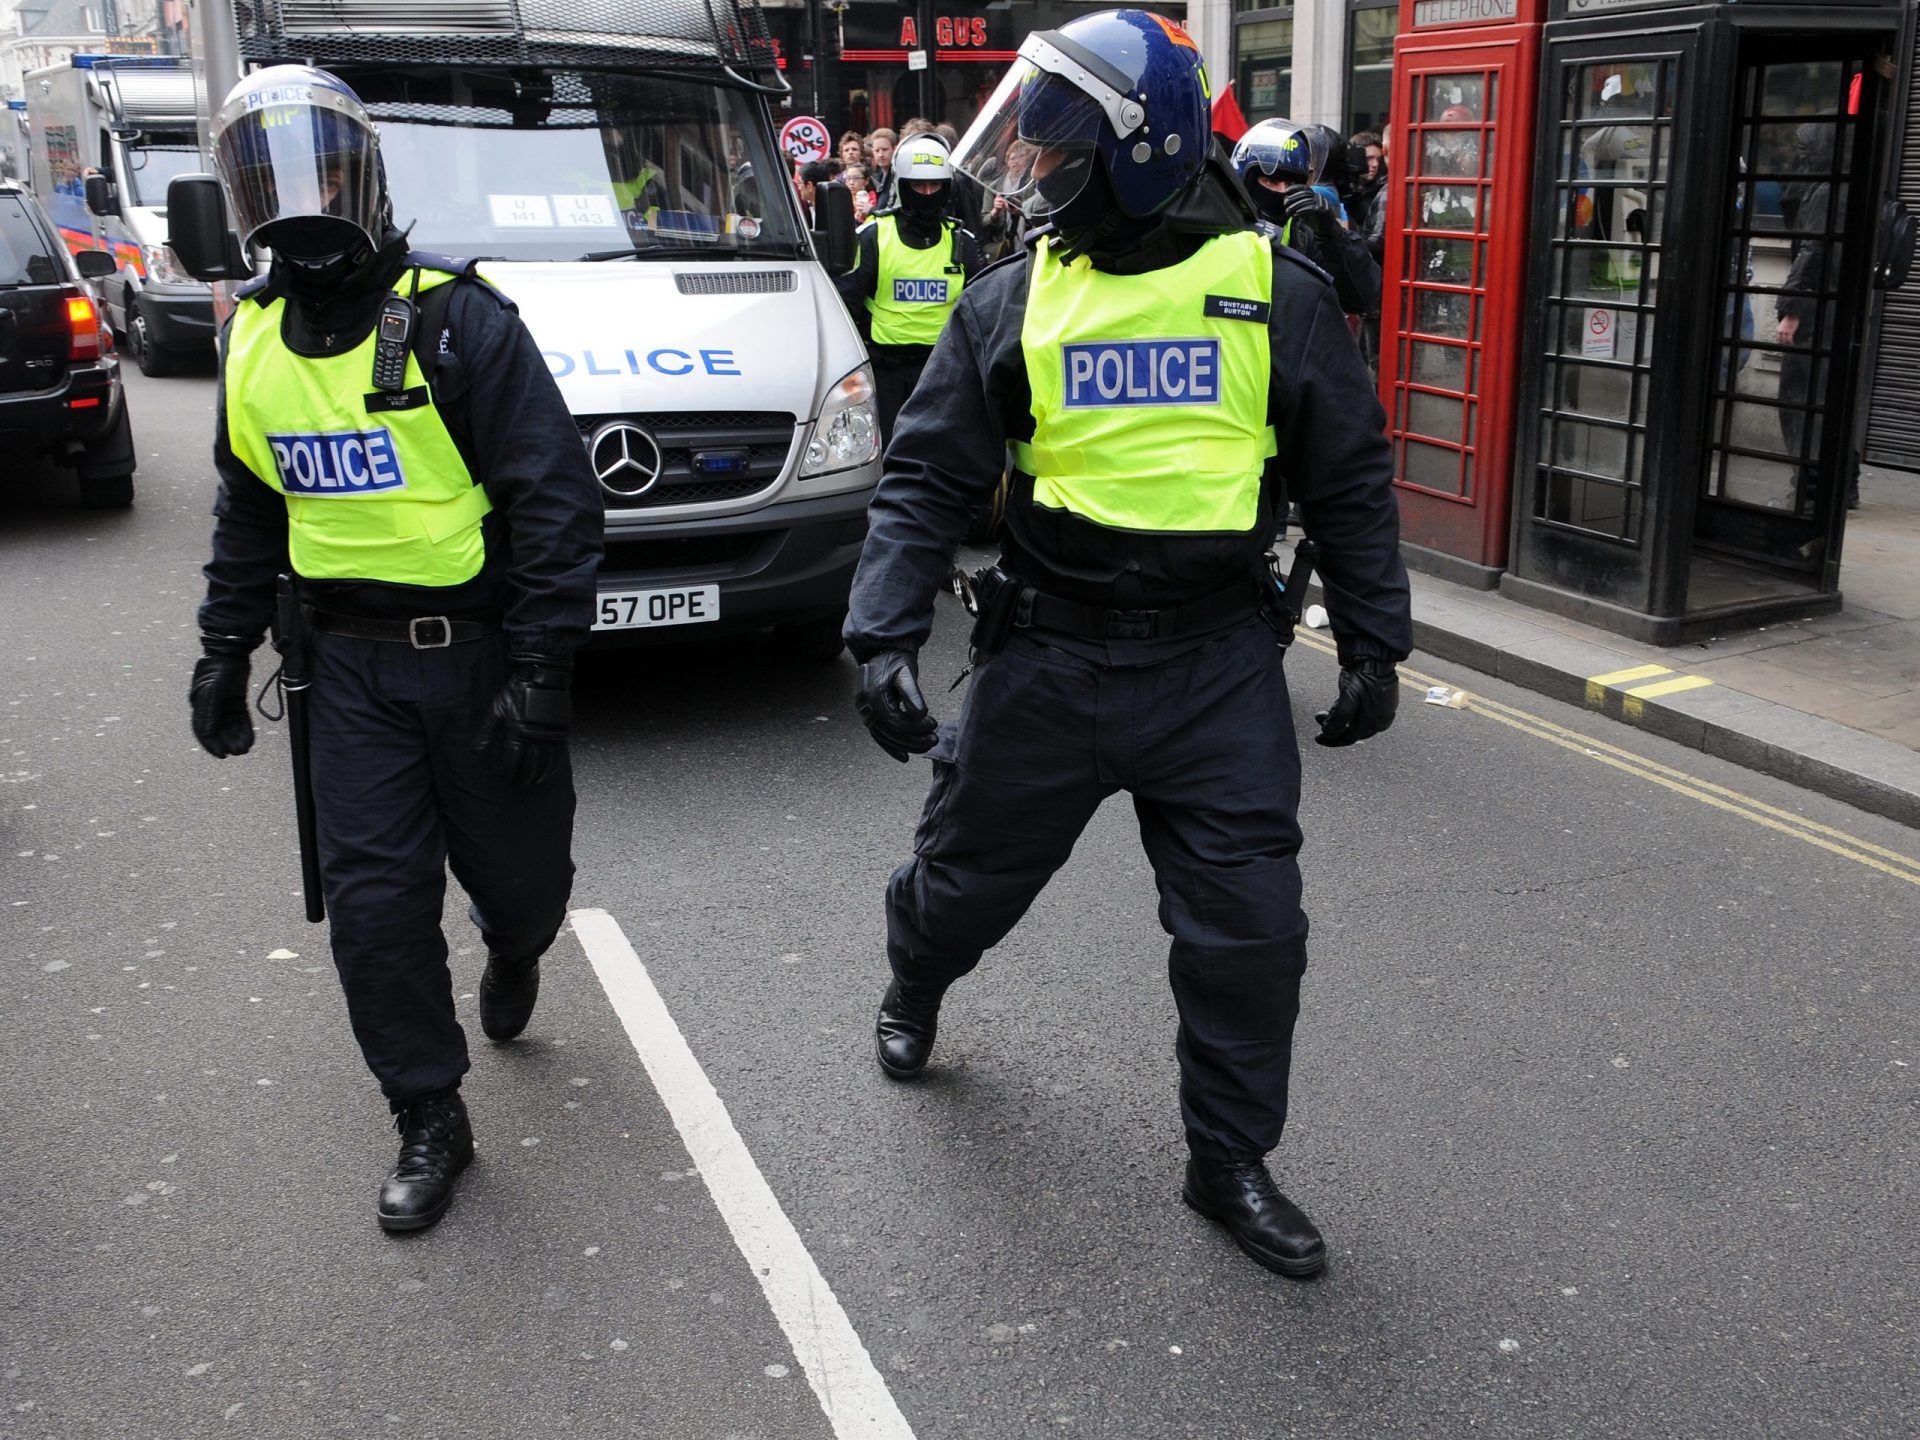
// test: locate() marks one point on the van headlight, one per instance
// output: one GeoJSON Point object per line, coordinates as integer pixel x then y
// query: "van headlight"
{"type": "Point", "coordinates": [162, 265]}
{"type": "Point", "coordinates": [847, 432]}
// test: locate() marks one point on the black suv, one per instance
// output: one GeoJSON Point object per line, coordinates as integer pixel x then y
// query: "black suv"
{"type": "Point", "coordinates": [60, 392]}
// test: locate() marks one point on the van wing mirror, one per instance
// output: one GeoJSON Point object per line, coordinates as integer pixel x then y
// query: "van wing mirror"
{"type": "Point", "coordinates": [102, 198]}
{"type": "Point", "coordinates": [95, 264]}
{"type": "Point", "coordinates": [833, 226]}
{"type": "Point", "coordinates": [198, 233]}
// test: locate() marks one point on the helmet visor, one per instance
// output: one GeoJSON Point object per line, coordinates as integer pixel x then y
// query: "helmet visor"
{"type": "Point", "coordinates": [298, 151]}
{"type": "Point", "coordinates": [1033, 142]}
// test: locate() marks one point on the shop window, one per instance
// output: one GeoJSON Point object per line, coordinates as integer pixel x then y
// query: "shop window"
{"type": "Point", "coordinates": [1371, 27]}
{"type": "Point", "coordinates": [1263, 63]}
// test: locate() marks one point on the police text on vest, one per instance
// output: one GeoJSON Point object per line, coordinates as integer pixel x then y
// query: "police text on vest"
{"type": "Point", "coordinates": [344, 463]}
{"type": "Point", "coordinates": [919, 292]}
{"type": "Point", "coordinates": [1141, 372]}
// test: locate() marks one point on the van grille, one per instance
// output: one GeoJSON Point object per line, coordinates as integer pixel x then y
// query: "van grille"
{"type": "Point", "coordinates": [754, 282]}
{"type": "Point", "coordinates": [687, 552]}
{"type": "Point", "coordinates": [759, 440]}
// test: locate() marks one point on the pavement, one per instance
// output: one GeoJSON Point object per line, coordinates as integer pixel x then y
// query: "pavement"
{"type": "Point", "coordinates": [1604, 1091]}
{"type": "Point", "coordinates": [1830, 703]}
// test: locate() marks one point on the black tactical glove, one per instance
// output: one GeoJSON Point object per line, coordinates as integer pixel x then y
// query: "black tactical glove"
{"type": "Point", "coordinates": [1369, 697]}
{"type": "Point", "coordinates": [1307, 205]}
{"type": "Point", "coordinates": [218, 697]}
{"type": "Point", "coordinates": [889, 700]}
{"type": "Point", "coordinates": [529, 718]}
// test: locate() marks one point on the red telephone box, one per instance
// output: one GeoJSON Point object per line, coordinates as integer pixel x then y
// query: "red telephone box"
{"type": "Point", "coordinates": [1465, 77]}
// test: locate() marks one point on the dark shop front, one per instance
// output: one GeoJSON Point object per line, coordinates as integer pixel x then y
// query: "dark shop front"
{"type": "Point", "coordinates": [869, 76]}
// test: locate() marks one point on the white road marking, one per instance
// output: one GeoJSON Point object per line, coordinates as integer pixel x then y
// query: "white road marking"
{"type": "Point", "coordinates": [851, 1391]}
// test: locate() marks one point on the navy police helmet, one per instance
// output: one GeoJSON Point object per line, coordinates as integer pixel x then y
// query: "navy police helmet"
{"type": "Point", "coordinates": [1277, 149]}
{"type": "Point", "coordinates": [1122, 89]}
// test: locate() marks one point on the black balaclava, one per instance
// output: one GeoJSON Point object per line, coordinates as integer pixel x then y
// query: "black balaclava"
{"type": "Point", "coordinates": [921, 215]}
{"type": "Point", "coordinates": [1271, 204]}
{"type": "Point", "coordinates": [339, 304]}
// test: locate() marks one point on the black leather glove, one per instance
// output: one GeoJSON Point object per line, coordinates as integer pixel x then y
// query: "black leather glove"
{"type": "Point", "coordinates": [218, 697]}
{"type": "Point", "coordinates": [1306, 204]}
{"type": "Point", "coordinates": [529, 718]}
{"type": "Point", "coordinates": [889, 700]}
{"type": "Point", "coordinates": [1368, 700]}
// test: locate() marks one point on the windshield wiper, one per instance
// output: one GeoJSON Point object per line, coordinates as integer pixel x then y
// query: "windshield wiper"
{"type": "Point", "coordinates": [665, 252]}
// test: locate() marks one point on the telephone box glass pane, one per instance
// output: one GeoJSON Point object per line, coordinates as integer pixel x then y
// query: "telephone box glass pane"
{"type": "Point", "coordinates": [1444, 262]}
{"type": "Point", "coordinates": [1448, 207]}
{"type": "Point", "coordinates": [1448, 153]}
{"type": "Point", "coordinates": [1440, 416]}
{"type": "Point", "coordinates": [1810, 87]}
{"type": "Point", "coordinates": [1441, 312]}
{"type": "Point", "coordinates": [1613, 89]}
{"type": "Point", "coordinates": [1432, 466]}
{"type": "Point", "coordinates": [1441, 366]}
{"type": "Point", "coordinates": [1455, 99]}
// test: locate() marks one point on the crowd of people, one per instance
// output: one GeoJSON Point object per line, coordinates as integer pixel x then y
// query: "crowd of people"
{"type": "Point", "coordinates": [1346, 236]}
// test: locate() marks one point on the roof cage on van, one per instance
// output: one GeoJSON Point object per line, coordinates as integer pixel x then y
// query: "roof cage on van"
{"type": "Point", "coordinates": [693, 35]}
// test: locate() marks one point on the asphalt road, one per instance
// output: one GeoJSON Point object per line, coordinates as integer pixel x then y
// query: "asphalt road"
{"type": "Point", "coordinates": [1604, 1094]}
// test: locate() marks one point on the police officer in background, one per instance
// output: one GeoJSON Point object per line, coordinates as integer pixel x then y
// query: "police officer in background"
{"type": "Point", "coordinates": [912, 264]}
{"type": "Point", "coordinates": [1157, 367]}
{"type": "Point", "coordinates": [1280, 163]}
{"type": "Point", "coordinates": [444, 531]}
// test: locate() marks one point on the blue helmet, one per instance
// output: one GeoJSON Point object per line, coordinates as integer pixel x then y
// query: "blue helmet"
{"type": "Point", "coordinates": [1278, 149]}
{"type": "Point", "coordinates": [1124, 89]}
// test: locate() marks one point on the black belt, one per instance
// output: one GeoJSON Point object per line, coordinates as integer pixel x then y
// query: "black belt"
{"type": "Point", "coordinates": [1049, 612]}
{"type": "Point", "coordinates": [422, 632]}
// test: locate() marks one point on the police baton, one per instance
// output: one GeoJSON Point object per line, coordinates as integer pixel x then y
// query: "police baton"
{"type": "Point", "coordinates": [1288, 597]}
{"type": "Point", "coordinates": [296, 676]}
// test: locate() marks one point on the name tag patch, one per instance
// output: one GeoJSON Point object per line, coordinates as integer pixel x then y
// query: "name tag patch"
{"type": "Point", "coordinates": [1232, 307]}
{"type": "Point", "coordinates": [919, 292]}
{"type": "Point", "coordinates": [1104, 373]}
{"type": "Point", "coordinates": [344, 463]}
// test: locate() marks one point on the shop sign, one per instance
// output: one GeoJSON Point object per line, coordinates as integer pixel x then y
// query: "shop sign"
{"type": "Point", "coordinates": [950, 32]}
{"type": "Point", "coordinates": [1462, 12]}
{"type": "Point", "coordinates": [1263, 89]}
{"type": "Point", "coordinates": [806, 139]}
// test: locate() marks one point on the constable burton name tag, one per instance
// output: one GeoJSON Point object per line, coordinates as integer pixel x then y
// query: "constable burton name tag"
{"type": "Point", "coordinates": [1229, 307]}
{"type": "Point", "coordinates": [344, 463]}
{"type": "Point", "coordinates": [1103, 373]}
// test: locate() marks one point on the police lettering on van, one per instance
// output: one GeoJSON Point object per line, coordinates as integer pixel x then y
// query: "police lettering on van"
{"type": "Point", "coordinates": [1103, 373]}
{"type": "Point", "coordinates": [664, 361]}
{"type": "Point", "coordinates": [351, 462]}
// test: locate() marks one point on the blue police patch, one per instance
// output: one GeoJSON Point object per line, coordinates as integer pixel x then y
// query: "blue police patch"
{"type": "Point", "coordinates": [919, 292]}
{"type": "Point", "coordinates": [1102, 373]}
{"type": "Point", "coordinates": [344, 463]}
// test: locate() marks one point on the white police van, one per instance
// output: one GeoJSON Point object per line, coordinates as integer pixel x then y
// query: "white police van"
{"type": "Point", "coordinates": [618, 162]}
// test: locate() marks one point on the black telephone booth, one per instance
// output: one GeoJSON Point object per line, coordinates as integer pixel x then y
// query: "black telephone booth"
{"type": "Point", "coordinates": [1706, 182]}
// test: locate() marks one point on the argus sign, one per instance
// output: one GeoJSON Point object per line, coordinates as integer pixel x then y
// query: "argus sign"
{"type": "Point", "coordinates": [344, 463]}
{"type": "Point", "coordinates": [1101, 373]}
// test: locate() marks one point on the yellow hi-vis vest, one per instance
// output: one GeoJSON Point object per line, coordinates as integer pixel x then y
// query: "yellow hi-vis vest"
{"type": "Point", "coordinates": [1150, 391]}
{"type": "Point", "coordinates": [375, 487]}
{"type": "Point", "coordinates": [917, 289]}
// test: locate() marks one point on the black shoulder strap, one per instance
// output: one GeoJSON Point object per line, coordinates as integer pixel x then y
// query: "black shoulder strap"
{"type": "Point", "coordinates": [430, 327]}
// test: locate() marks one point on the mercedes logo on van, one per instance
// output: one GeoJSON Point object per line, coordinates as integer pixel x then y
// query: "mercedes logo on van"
{"type": "Point", "coordinates": [626, 460]}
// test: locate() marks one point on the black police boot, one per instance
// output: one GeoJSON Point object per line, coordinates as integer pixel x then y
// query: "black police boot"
{"type": "Point", "coordinates": [507, 993]}
{"type": "Point", "coordinates": [903, 1035]}
{"type": "Point", "coordinates": [436, 1144]}
{"type": "Point", "coordinates": [1263, 1222]}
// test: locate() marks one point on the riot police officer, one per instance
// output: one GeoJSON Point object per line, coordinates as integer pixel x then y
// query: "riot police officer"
{"type": "Point", "coordinates": [388, 432]}
{"type": "Point", "coordinates": [1156, 367]}
{"type": "Point", "coordinates": [912, 265]}
{"type": "Point", "coordinates": [1281, 164]}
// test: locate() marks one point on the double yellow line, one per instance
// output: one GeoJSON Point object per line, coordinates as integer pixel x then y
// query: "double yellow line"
{"type": "Point", "coordinates": [1785, 822]}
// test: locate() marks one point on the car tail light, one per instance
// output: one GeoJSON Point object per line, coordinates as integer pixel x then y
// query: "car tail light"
{"type": "Point", "coordinates": [83, 326]}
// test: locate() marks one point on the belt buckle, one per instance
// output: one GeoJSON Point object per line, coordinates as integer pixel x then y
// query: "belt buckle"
{"type": "Point", "coordinates": [1131, 624]}
{"type": "Point", "coordinates": [446, 632]}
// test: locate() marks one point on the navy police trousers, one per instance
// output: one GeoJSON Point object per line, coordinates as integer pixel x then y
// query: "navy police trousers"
{"type": "Point", "coordinates": [399, 794]}
{"type": "Point", "coordinates": [1204, 743]}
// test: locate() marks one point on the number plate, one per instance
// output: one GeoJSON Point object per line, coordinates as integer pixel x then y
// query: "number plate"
{"type": "Point", "coordinates": [638, 609]}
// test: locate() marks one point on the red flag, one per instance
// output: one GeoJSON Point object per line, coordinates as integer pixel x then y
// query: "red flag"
{"type": "Point", "coordinates": [1228, 122]}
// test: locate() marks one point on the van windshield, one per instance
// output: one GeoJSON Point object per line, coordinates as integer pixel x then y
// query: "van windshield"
{"type": "Point", "coordinates": [155, 159]}
{"type": "Point", "coordinates": [560, 165]}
